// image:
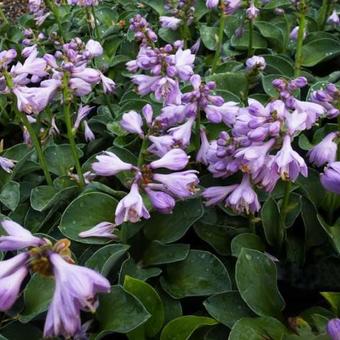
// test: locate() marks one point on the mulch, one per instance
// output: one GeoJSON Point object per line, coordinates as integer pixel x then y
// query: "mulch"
{"type": "Point", "coordinates": [13, 8]}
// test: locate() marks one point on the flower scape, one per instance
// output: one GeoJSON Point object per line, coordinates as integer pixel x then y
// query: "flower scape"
{"type": "Point", "coordinates": [170, 169]}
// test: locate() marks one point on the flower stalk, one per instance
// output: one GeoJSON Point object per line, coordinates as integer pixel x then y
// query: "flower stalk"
{"type": "Point", "coordinates": [300, 38]}
{"type": "Point", "coordinates": [70, 131]}
{"type": "Point", "coordinates": [219, 43]}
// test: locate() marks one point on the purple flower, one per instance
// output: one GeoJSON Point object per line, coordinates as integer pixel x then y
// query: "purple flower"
{"type": "Point", "coordinates": [32, 65]}
{"type": "Point", "coordinates": [252, 12]}
{"type": "Point", "coordinates": [333, 19]}
{"type": "Point", "coordinates": [148, 114]}
{"type": "Point", "coordinates": [230, 6]}
{"type": "Point", "coordinates": [333, 329]}
{"type": "Point", "coordinates": [212, 3]}
{"type": "Point", "coordinates": [87, 74]}
{"type": "Point", "coordinates": [256, 62]}
{"type": "Point", "coordinates": [215, 195]}
{"type": "Point", "coordinates": [161, 144]}
{"type": "Point", "coordinates": [244, 198]}
{"type": "Point", "coordinates": [82, 113]}
{"type": "Point", "coordinates": [26, 101]}
{"type": "Point", "coordinates": [131, 208]}
{"type": "Point", "coordinates": [184, 62]}
{"type": "Point", "coordinates": [88, 133]}
{"type": "Point", "coordinates": [94, 48]}
{"type": "Point", "coordinates": [76, 288]}
{"type": "Point", "coordinates": [175, 159]}
{"type": "Point", "coordinates": [103, 229]}
{"type": "Point", "coordinates": [294, 33]}
{"type": "Point", "coordinates": [108, 164]}
{"type": "Point", "coordinates": [12, 272]}
{"type": "Point", "coordinates": [202, 152]}
{"type": "Point", "coordinates": [182, 133]}
{"type": "Point", "coordinates": [181, 184]}
{"type": "Point", "coordinates": [167, 90]}
{"type": "Point", "coordinates": [330, 179]}
{"type": "Point", "coordinates": [80, 87]}
{"type": "Point", "coordinates": [109, 85]}
{"type": "Point", "coordinates": [325, 151]}
{"type": "Point", "coordinates": [226, 113]}
{"type": "Point", "coordinates": [18, 237]}
{"type": "Point", "coordinates": [132, 122]}
{"type": "Point", "coordinates": [170, 22]}
{"type": "Point", "coordinates": [7, 164]}
{"type": "Point", "coordinates": [288, 163]}
{"type": "Point", "coordinates": [161, 201]}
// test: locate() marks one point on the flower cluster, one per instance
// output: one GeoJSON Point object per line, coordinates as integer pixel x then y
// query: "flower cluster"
{"type": "Point", "coordinates": [75, 286]}
{"type": "Point", "coordinates": [39, 11]}
{"type": "Point", "coordinates": [181, 13]}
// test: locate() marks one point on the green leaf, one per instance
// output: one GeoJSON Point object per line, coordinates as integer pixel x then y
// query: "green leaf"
{"type": "Point", "coordinates": [37, 297]}
{"type": "Point", "coordinates": [84, 213]}
{"type": "Point", "coordinates": [293, 209]}
{"type": "Point", "coordinates": [172, 307]}
{"type": "Point", "coordinates": [60, 159]}
{"type": "Point", "coordinates": [246, 240]}
{"type": "Point", "coordinates": [17, 330]}
{"type": "Point", "coordinates": [271, 32]}
{"type": "Point", "coordinates": [120, 312]}
{"type": "Point", "coordinates": [168, 35]}
{"type": "Point", "coordinates": [183, 327]}
{"type": "Point", "coordinates": [131, 268]}
{"type": "Point", "coordinates": [319, 50]}
{"type": "Point", "coordinates": [242, 42]}
{"type": "Point", "coordinates": [44, 196]}
{"type": "Point", "coordinates": [10, 195]}
{"type": "Point", "coordinates": [257, 329]}
{"type": "Point", "coordinates": [333, 298]}
{"type": "Point", "coordinates": [277, 64]}
{"type": "Point", "coordinates": [151, 301]}
{"type": "Point", "coordinates": [209, 36]}
{"type": "Point", "coordinates": [227, 308]}
{"type": "Point", "coordinates": [104, 259]}
{"type": "Point", "coordinates": [332, 231]}
{"type": "Point", "coordinates": [157, 5]}
{"type": "Point", "coordinates": [260, 292]}
{"type": "Point", "coordinates": [230, 81]}
{"type": "Point", "coordinates": [217, 236]}
{"type": "Point", "coordinates": [267, 84]}
{"type": "Point", "coordinates": [159, 253]}
{"type": "Point", "coordinates": [170, 228]}
{"type": "Point", "coordinates": [271, 223]}
{"type": "Point", "coordinates": [200, 274]}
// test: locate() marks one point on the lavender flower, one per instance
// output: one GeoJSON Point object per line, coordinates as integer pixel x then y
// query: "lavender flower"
{"type": "Point", "coordinates": [203, 151]}
{"type": "Point", "coordinates": [252, 12]}
{"type": "Point", "coordinates": [108, 164]}
{"type": "Point", "coordinates": [76, 288]}
{"type": "Point", "coordinates": [325, 151]}
{"type": "Point", "coordinates": [215, 195]}
{"type": "Point", "coordinates": [131, 207]}
{"type": "Point", "coordinates": [103, 229]}
{"type": "Point", "coordinates": [256, 63]}
{"type": "Point", "coordinates": [12, 273]}
{"type": "Point", "coordinates": [288, 163]}
{"type": "Point", "coordinates": [18, 237]}
{"type": "Point", "coordinates": [212, 3]}
{"type": "Point", "coordinates": [230, 6]}
{"type": "Point", "coordinates": [170, 22]}
{"type": "Point", "coordinates": [294, 33]}
{"type": "Point", "coordinates": [82, 113]}
{"type": "Point", "coordinates": [94, 48]}
{"type": "Point", "coordinates": [330, 178]}
{"type": "Point", "coordinates": [244, 198]}
{"type": "Point", "coordinates": [333, 19]}
{"type": "Point", "coordinates": [132, 122]}
{"type": "Point", "coordinates": [333, 329]}
{"type": "Point", "coordinates": [175, 159]}
{"type": "Point", "coordinates": [7, 164]}
{"type": "Point", "coordinates": [161, 201]}
{"type": "Point", "coordinates": [88, 133]}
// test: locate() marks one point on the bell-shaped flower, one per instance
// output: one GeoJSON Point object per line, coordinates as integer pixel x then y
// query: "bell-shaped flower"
{"type": "Point", "coordinates": [204, 148]}
{"type": "Point", "coordinates": [182, 133]}
{"type": "Point", "coordinates": [169, 22]}
{"type": "Point", "coordinates": [288, 163]}
{"type": "Point", "coordinates": [216, 195]}
{"type": "Point", "coordinates": [180, 184]}
{"type": "Point", "coordinates": [32, 65]}
{"type": "Point", "coordinates": [82, 113]}
{"type": "Point", "coordinates": [175, 159]}
{"type": "Point", "coordinates": [226, 113]}
{"type": "Point", "coordinates": [148, 114]}
{"type": "Point", "coordinates": [80, 87]}
{"type": "Point", "coordinates": [76, 288]}
{"type": "Point", "coordinates": [17, 237]}
{"type": "Point", "coordinates": [132, 122]}
{"type": "Point", "coordinates": [94, 48]}
{"type": "Point", "coordinates": [161, 201]}
{"type": "Point", "coordinates": [7, 164]}
{"type": "Point", "coordinates": [88, 133]}
{"type": "Point", "coordinates": [108, 164]}
{"type": "Point", "coordinates": [330, 178]}
{"type": "Point", "coordinates": [131, 208]}
{"type": "Point", "coordinates": [87, 74]}
{"type": "Point", "coordinates": [333, 329]}
{"type": "Point", "coordinates": [325, 151]}
{"type": "Point", "coordinates": [109, 85]}
{"type": "Point", "coordinates": [184, 63]}
{"type": "Point", "coordinates": [212, 3]}
{"type": "Point", "coordinates": [103, 229]}
{"type": "Point", "coordinates": [244, 198]}
{"type": "Point", "coordinates": [161, 144]}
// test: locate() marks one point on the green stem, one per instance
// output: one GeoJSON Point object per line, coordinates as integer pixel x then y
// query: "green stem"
{"type": "Point", "coordinates": [36, 144]}
{"type": "Point", "coordinates": [142, 151]}
{"type": "Point", "coordinates": [219, 43]}
{"type": "Point", "coordinates": [299, 43]}
{"type": "Point", "coordinates": [70, 131]}
{"type": "Point", "coordinates": [250, 40]}
{"type": "Point", "coordinates": [98, 35]}
{"type": "Point", "coordinates": [3, 17]}
{"type": "Point", "coordinates": [88, 20]}
{"type": "Point", "coordinates": [55, 10]}
{"type": "Point", "coordinates": [323, 14]}
{"type": "Point", "coordinates": [285, 202]}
